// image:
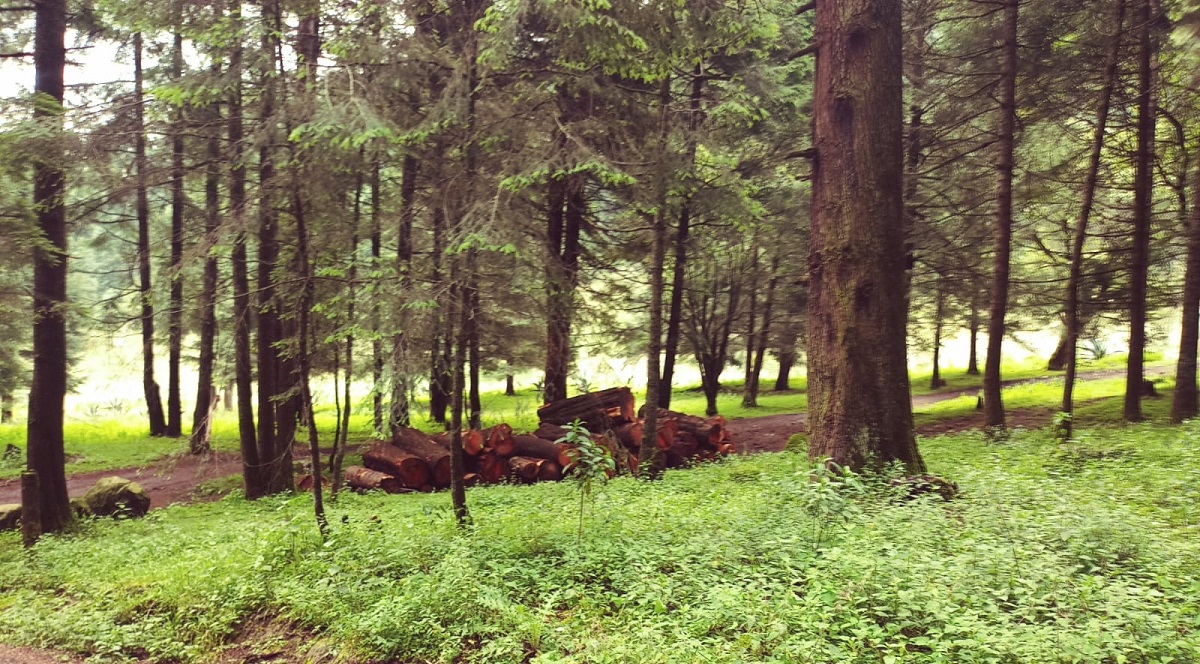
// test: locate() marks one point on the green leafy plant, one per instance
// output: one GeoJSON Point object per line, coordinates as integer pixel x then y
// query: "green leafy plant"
{"type": "Point", "coordinates": [592, 464]}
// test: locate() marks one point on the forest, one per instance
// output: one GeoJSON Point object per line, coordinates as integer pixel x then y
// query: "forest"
{"type": "Point", "coordinates": [599, 331]}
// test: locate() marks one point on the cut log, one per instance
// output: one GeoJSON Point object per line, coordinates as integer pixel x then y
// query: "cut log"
{"type": "Point", "coordinates": [665, 435]}
{"type": "Point", "coordinates": [551, 432]}
{"type": "Point", "coordinates": [550, 471]}
{"type": "Point", "coordinates": [598, 411]}
{"type": "Point", "coordinates": [472, 442]}
{"type": "Point", "coordinates": [498, 440]}
{"type": "Point", "coordinates": [683, 448]}
{"type": "Point", "coordinates": [305, 482]}
{"type": "Point", "coordinates": [709, 432]}
{"type": "Point", "coordinates": [525, 468]}
{"type": "Point", "coordinates": [492, 468]}
{"type": "Point", "coordinates": [538, 448]}
{"type": "Point", "coordinates": [422, 446]}
{"type": "Point", "coordinates": [365, 479]}
{"type": "Point", "coordinates": [629, 435]}
{"type": "Point", "coordinates": [567, 455]}
{"type": "Point", "coordinates": [470, 479]}
{"type": "Point", "coordinates": [412, 471]}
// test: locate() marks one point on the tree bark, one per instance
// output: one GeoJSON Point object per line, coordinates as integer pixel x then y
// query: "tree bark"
{"type": "Point", "coordinates": [650, 462]}
{"type": "Point", "coordinates": [404, 253]}
{"type": "Point", "coordinates": [154, 408]}
{"type": "Point", "coordinates": [1143, 193]}
{"type": "Point", "coordinates": [1185, 403]}
{"type": "Point", "coordinates": [377, 361]}
{"type": "Point", "coordinates": [45, 457]}
{"type": "Point", "coordinates": [175, 310]}
{"type": "Point", "coordinates": [679, 266]}
{"type": "Point", "coordinates": [993, 403]}
{"type": "Point", "coordinates": [859, 405]}
{"type": "Point", "coordinates": [252, 475]}
{"type": "Point", "coordinates": [1071, 313]}
{"type": "Point", "coordinates": [935, 380]}
{"type": "Point", "coordinates": [198, 443]}
{"type": "Point", "coordinates": [973, 325]}
{"type": "Point", "coordinates": [786, 360]}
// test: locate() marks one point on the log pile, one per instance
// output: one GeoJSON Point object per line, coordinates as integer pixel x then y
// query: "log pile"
{"type": "Point", "coordinates": [415, 461]}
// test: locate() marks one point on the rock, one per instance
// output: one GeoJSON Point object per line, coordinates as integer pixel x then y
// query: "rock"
{"type": "Point", "coordinates": [919, 485]}
{"type": "Point", "coordinates": [10, 517]}
{"type": "Point", "coordinates": [80, 508]}
{"type": "Point", "coordinates": [117, 497]}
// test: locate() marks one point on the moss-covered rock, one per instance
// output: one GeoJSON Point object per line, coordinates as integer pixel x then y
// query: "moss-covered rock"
{"type": "Point", "coordinates": [10, 517]}
{"type": "Point", "coordinates": [119, 497]}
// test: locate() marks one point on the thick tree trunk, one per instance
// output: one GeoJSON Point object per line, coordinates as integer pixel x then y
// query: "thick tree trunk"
{"type": "Point", "coordinates": [1186, 401]}
{"type": "Point", "coordinates": [510, 388]}
{"type": "Point", "coordinates": [45, 457]}
{"type": "Point", "coordinates": [154, 408]}
{"type": "Point", "coordinates": [175, 312]}
{"type": "Point", "coordinates": [252, 475]}
{"type": "Point", "coordinates": [554, 381]}
{"type": "Point", "coordinates": [198, 443]}
{"type": "Point", "coordinates": [993, 404]}
{"type": "Point", "coordinates": [859, 404]}
{"type": "Point", "coordinates": [1143, 193]}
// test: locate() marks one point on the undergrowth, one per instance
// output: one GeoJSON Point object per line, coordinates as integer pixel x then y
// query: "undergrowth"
{"type": "Point", "coordinates": [1081, 552]}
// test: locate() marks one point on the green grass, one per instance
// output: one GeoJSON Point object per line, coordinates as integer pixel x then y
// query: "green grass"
{"type": "Point", "coordinates": [1086, 552]}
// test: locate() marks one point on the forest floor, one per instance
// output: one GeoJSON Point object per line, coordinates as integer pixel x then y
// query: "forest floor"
{"type": "Point", "coordinates": [183, 478]}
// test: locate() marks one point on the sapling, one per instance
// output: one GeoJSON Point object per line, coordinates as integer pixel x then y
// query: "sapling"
{"type": "Point", "coordinates": [592, 464]}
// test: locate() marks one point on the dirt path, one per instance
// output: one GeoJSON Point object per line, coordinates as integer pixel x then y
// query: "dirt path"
{"type": "Point", "coordinates": [771, 433]}
{"type": "Point", "coordinates": [10, 655]}
{"type": "Point", "coordinates": [168, 481]}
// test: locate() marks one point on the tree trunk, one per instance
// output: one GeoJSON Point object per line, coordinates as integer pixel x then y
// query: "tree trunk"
{"type": "Point", "coordinates": [749, 401]}
{"type": "Point", "coordinates": [650, 461]}
{"type": "Point", "coordinates": [404, 251]}
{"type": "Point", "coordinates": [935, 381]}
{"type": "Point", "coordinates": [764, 337]}
{"type": "Point", "coordinates": [554, 381]}
{"type": "Point", "coordinates": [154, 408]}
{"type": "Point", "coordinates": [205, 390]}
{"type": "Point", "coordinates": [342, 435]}
{"type": "Point", "coordinates": [175, 312]}
{"type": "Point", "coordinates": [1186, 401]}
{"type": "Point", "coordinates": [6, 407]}
{"type": "Point", "coordinates": [786, 360]}
{"type": "Point", "coordinates": [859, 404]}
{"type": "Point", "coordinates": [973, 357]}
{"type": "Point", "coordinates": [377, 362]}
{"type": "Point", "coordinates": [45, 457]}
{"type": "Point", "coordinates": [442, 337]}
{"type": "Point", "coordinates": [252, 475]}
{"type": "Point", "coordinates": [993, 403]}
{"type": "Point", "coordinates": [1143, 193]}
{"type": "Point", "coordinates": [510, 388]}
{"type": "Point", "coordinates": [679, 266]}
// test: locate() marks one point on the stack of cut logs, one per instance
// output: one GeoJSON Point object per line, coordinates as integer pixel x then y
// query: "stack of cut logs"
{"type": "Point", "coordinates": [414, 461]}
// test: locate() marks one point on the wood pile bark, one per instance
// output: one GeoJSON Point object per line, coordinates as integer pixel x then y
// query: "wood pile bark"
{"type": "Point", "coordinates": [415, 461]}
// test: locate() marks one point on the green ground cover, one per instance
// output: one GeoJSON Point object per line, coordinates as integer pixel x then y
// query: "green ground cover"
{"type": "Point", "coordinates": [1077, 552]}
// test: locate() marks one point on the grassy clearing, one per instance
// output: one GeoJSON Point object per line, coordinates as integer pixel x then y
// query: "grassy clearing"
{"type": "Point", "coordinates": [1086, 552]}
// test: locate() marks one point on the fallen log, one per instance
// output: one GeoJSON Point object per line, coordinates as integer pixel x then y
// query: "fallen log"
{"type": "Point", "coordinates": [551, 432]}
{"type": "Point", "coordinates": [422, 446]}
{"type": "Point", "coordinates": [305, 482]}
{"type": "Point", "coordinates": [550, 471]}
{"type": "Point", "coordinates": [366, 479]}
{"type": "Point", "coordinates": [498, 439]}
{"type": "Point", "coordinates": [683, 448]}
{"type": "Point", "coordinates": [492, 468]}
{"type": "Point", "coordinates": [598, 411]}
{"type": "Point", "coordinates": [709, 432]}
{"type": "Point", "coordinates": [411, 470]}
{"type": "Point", "coordinates": [472, 441]}
{"type": "Point", "coordinates": [630, 434]}
{"type": "Point", "coordinates": [665, 434]}
{"type": "Point", "coordinates": [538, 448]}
{"type": "Point", "coordinates": [526, 468]}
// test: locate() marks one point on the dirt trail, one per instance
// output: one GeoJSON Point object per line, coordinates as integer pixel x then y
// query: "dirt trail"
{"type": "Point", "coordinates": [771, 433]}
{"type": "Point", "coordinates": [10, 655]}
{"type": "Point", "coordinates": [170, 480]}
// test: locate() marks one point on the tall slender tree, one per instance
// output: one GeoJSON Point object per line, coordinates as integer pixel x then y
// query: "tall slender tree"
{"type": "Point", "coordinates": [1143, 193]}
{"type": "Point", "coordinates": [45, 456]}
